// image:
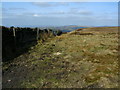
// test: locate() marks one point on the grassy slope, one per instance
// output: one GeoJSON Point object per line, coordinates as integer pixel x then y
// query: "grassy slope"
{"type": "Point", "coordinates": [68, 61]}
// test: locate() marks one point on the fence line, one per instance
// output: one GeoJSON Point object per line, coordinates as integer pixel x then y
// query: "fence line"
{"type": "Point", "coordinates": [14, 39]}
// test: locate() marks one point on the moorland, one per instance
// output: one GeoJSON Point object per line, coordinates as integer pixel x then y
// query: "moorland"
{"type": "Point", "coordinates": [83, 58]}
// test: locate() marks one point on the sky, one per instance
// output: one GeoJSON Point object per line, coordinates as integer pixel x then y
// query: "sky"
{"type": "Point", "coordinates": [59, 13]}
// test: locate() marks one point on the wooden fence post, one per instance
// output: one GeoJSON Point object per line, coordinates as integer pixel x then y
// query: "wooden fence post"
{"type": "Point", "coordinates": [49, 32]}
{"type": "Point", "coordinates": [14, 34]}
{"type": "Point", "coordinates": [37, 33]}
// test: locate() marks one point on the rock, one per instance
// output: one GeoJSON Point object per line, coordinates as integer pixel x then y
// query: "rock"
{"type": "Point", "coordinates": [58, 53]}
{"type": "Point", "coordinates": [9, 80]}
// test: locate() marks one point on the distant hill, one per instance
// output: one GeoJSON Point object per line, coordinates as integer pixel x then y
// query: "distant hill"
{"type": "Point", "coordinates": [67, 28]}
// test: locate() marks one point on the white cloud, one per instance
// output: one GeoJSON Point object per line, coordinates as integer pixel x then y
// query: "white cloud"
{"type": "Point", "coordinates": [16, 8]}
{"type": "Point", "coordinates": [85, 12]}
{"type": "Point", "coordinates": [79, 11]}
{"type": "Point", "coordinates": [35, 15]}
{"type": "Point", "coordinates": [50, 4]}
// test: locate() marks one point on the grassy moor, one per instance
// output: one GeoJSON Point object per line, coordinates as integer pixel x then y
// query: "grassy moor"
{"type": "Point", "coordinates": [83, 58]}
